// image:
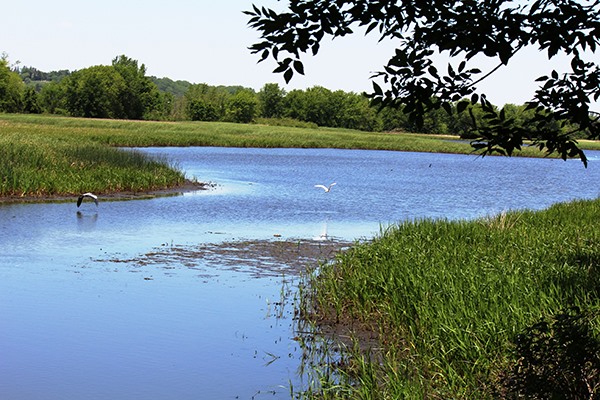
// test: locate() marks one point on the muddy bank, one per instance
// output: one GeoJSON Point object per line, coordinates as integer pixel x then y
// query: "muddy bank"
{"type": "Point", "coordinates": [188, 186]}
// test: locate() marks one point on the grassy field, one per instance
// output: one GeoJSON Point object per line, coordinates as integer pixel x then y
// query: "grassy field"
{"type": "Point", "coordinates": [449, 299]}
{"type": "Point", "coordinates": [147, 133]}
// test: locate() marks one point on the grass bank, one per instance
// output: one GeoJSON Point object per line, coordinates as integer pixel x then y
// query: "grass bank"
{"type": "Point", "coordinates": [220, 134]}
{"type": "Point", "coordinates": [41, 160]}
{"type": "Point", "coordinates": [468, 309]}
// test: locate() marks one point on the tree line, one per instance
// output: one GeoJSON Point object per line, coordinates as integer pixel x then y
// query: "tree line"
{"type": "Point", "coordinates": [122, 90]}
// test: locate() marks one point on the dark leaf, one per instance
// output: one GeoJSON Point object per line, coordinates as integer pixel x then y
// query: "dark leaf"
{"type": "Point", "coordinates": [264, 55]}
{"type": "Point", "coordinates": [299, 67]}
{"type": "Point", "coordinates": [447, 107]}
{"type": "Point", "coordinates": [461, 106]}
{"type": "Point", "coordinates": [451, 70]}
{"type": "Point", "coordinates": [433, 71]}
{"type": "Point", "coordinates": [281, 68]}
{"type": "Point", "coordinates": [377, 89]}
{"type": "Point", "coordinates": [315, 49]}
{"type": "Point", "coordinates": [371, 27]}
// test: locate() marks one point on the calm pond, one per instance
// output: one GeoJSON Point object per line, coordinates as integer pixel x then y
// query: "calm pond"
{"type": "Point", "coordinates": [140, 299]}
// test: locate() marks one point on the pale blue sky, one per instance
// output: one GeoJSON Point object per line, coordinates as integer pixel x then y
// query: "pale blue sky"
{"type": "Point", "coordinates": [206, 41]}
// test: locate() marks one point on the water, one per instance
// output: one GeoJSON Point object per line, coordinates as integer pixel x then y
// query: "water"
{"type": "Point", "coordinates": [87, 309]}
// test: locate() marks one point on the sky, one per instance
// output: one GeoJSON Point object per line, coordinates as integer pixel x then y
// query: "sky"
{"type": "Point", "coordinates": [206, 41]}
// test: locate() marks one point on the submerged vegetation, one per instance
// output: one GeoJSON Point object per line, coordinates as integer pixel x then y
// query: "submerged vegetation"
{"type": "Point", "coordinates": [504, 306]}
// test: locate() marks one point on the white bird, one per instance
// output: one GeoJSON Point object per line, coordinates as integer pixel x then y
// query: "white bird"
{"type": "Point", "coordinates": [90, 195]}
{"type": "Point", "coordinates": [325, 188]}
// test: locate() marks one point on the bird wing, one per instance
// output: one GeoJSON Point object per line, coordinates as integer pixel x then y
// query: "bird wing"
{"type": "Point", "coordinates": [90, 195]}
{"type": "Point", "coordinates": [322, 187]}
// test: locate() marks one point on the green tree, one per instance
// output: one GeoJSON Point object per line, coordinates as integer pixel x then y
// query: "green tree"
{"type": "Point", "coordinates": [140, 95]}
{"type": "Point", "coordinates": [30, 101]}
{"type": "Point", "coordinates": [201, 110]}
{"type": "Point", "coordinates": [205, 102]}
{"type": "Point", "coordinates": [315, 104]}
{"type": "Point", "coordinates": [465, 124]}
{"type": "Point", "coordinates": [176, 88]}
{"type": "Point", "coordinates": [464, 29]}
{"type": "Point", "coordinates": [242, 106]}
{"type": "Point", "coordinates": [271, 98]}
{"type": "Point", "coordinates": [52, 98]}
{"type": "Point", "coordinates": [95, 92]}
{"type": "Point", "coordinates": [163, 108]}
{"type": "Point", "coordinates": [337, 109]}
{"type": "Point", "coordinates": [355, 112]}
{"type": "Point", "coordinates": [11, 88]}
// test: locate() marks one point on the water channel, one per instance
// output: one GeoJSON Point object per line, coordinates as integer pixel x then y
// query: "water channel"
{"type": "Point", "coordinates": [133, 299]}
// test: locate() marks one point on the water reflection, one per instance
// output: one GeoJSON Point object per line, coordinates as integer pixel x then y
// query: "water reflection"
{"type": "Point", "coordinates": [86, 221]}
{"type": "Point", "coordinates": [323, 235]}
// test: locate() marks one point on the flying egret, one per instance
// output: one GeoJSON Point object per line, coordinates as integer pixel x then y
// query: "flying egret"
{"type": "Point", "coordinates": [325, 188]}
{"type": "Point", "coordinates": [90, 195]}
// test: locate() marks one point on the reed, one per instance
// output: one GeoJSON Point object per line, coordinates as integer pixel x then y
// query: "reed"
{"type": "Point", "coordinates": [448, 298]}
{"type": "Point", "coordinates": [38, 164]}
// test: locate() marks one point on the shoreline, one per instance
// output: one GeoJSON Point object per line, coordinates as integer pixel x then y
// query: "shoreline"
{"type": "Point", "coordinates": [188, 186]}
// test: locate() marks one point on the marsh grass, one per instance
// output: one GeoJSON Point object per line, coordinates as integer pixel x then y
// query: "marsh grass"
{"type": "Point", "coordinates": [127, 133]}
{"type": "Point", "coordinates": [448, 298]}
{"type": "Point", "coordinates": [145, 133]}
{"type": "Point", "coordinates": [38, 164]}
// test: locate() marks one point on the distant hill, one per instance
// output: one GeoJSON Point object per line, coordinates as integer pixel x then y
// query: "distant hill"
{"type": "Point", "coordinates": [36, 78]}
{"type": "Point", "coordinates": [31, 74]}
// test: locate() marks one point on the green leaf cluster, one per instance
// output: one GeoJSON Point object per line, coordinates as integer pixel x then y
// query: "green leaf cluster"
{"type": "Point", "coordinates": [11, 88]}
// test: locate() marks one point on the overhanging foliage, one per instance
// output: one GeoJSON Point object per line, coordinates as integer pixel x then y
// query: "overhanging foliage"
{"type": "Point", "coordinates": [497, 29]}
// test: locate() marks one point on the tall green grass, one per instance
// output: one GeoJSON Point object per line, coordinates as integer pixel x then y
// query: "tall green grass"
{"type": "Point", "coordinates": [34, 164]}
{"type": "Point", "coordinates": [448, 298]}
